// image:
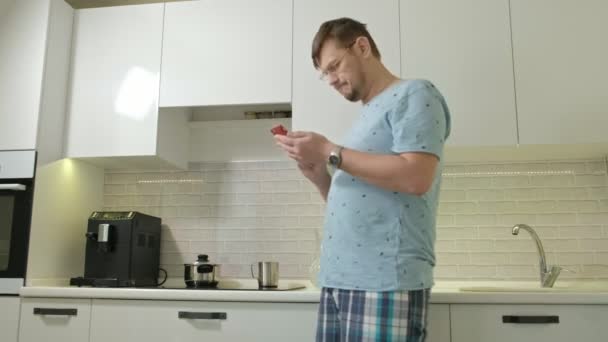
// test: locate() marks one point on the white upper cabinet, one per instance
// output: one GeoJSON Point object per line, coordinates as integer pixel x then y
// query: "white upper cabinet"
{"type": "Point", "coordinates": [560, 55]}
{"type": "Point", "coordinates": [23, 32]}
{"type": "Point", "coordinates": [115, 82]}
{"type": "Point", "coordinates": [226, 52]}
{"type": "Point", "coordinates": [316, 106]}
{"type": "Point", "coordinates": [464, 48]}
{"type": "Point", "coordinates": [35, 41]}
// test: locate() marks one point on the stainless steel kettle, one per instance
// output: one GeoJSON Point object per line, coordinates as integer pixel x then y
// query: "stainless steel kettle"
{"type": "Point", "coordinates": [201, 273]}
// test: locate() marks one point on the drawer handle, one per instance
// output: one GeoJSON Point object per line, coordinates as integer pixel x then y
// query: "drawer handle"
{"type": "Point", "coordinates": [55, 312]}
{"type": "Point", "coordinates": [530, 319]}
{"type": "Point", "coordinates": [202, 315]}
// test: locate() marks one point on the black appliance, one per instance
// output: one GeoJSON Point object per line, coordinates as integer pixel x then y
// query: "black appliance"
{"type": "Point", "coordinates": [122, 250]}
{"type": "Point", "coordinates": [17, 170]}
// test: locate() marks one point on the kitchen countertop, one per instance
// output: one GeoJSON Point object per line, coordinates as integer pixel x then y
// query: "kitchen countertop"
{"type": "Point", "coordinates": [444, 292]}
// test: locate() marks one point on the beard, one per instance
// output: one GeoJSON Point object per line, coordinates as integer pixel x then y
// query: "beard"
{"type": "Point", "coordinates": [354, 95]}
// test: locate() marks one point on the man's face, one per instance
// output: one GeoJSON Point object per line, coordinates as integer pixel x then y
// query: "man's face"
{"type": "Point", "coordinates": [341, 68]}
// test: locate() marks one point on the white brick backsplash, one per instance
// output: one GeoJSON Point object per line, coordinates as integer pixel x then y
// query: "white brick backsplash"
{"type": "Point", "coordinates": [280, 222]}
{"type": "Point", "coordinates": [447, 258]}
{"type": "Point", "coordinates": [458, 207]}
{"type": "Point", "coordinates": [552, 181]}
{"type": "Point", "coordinates": [303, 210]}
{"type": "Point", "coordinates": [516, 272]}
{"type": "Point", "coordinates": [586, 232]}
{"type": "Point", "coordinates": [497, 207]}
{"type": "Point", "coordinates": [596, 245]}
{"type": "Point", "coordinates": [219, 199]}
{"type": "Point", "coordinates": [281, 246]}
{"type": "Point", "coordinates": [474, 245]}
{"type": "Point", "coordinates": [556, 219]}
{"type": "Point", "coordinates": [118, 189]}
{"type": "Point", "coordinates": [301, 234]}
{"type": "Point", "coordinates": [489, 258]}
{"type": "Point", "coordinates": [263, 234]}
{"type": "Point", "coordinates": [592, 180]}
{"type": "Point", "coordinates": [265, 210]}
{"type": "Point", "coordinates": [596, 167]}
{"type": "Point", "coordinates": [472, 220]}
{"type": "Point", "coordinates": [511, 182]}
{"type": "Point", "coordinates": [291, 198]}
{"type": "Point", "coordinates": [448, 272]}
{"type": "Point", "coordinates": [453, 195]}
{"type": "Point", "coordinates": [229, 211]}
{"type": "Point", "coordinates": [600, 193]}
{"type": "Point", "coordinates": [575, 258]}
{"type": "Point", "coordinates": [477, 271]}
{"type": "Point", "coordinates": [593, 218]}
{"type": "Point", "coordinates": [205, 247]}
{"type": "Point", "coordinates": [195, 211]}
{"type": "Point", "coordinates": [243, 212]}
{"type": "Point", "coordinates": [509, 220]}
{"type": "Point", "coordinates": [453, 233]}
{"type": "Point", "coordinates": [577, 206]}
{"type": "Point", "coordinates": [527, 194]}
{"type": "Point", "coordinates": [565, 193]}
{"type": "Point", "coordinates": [482, 195]}
{"type": "Point", "coordinates": [281, 186]}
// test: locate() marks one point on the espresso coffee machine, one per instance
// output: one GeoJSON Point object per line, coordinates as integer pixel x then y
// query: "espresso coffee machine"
{"type": "Point", "coordinates": [122, 250]}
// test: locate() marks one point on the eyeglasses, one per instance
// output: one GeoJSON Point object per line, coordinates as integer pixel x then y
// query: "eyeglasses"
{"type": "Point", "coordinates": [333, 67]}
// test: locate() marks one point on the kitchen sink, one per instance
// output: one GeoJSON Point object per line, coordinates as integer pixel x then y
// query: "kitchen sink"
{"type": "Point", "coordinates": [592, 287]}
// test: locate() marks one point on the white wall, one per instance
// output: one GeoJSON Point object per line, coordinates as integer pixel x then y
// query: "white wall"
{"type": "Point", "coordinates": [66, 192]}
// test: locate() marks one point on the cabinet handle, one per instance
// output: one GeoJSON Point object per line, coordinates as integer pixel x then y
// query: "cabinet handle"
{"type": "Point", "coordinates": [55, 312]}
{"type": "Point", "coordinates": [202, 315]}
{"type": "Point", "coordinates": [530, 319]}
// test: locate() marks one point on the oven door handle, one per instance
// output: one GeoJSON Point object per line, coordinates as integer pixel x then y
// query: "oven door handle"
{"type": "Point", "coordinates": [13, 187]}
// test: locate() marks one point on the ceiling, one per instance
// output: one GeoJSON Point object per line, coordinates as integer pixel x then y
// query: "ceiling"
{"type": "Point", "coordinates": [104, 3]}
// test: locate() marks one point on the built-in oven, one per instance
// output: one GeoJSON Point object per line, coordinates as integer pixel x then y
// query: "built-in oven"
{"type": "Point", "coordinates": [17, 170]}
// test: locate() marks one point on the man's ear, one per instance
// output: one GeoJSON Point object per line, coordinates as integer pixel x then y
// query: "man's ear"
{"type": "Point", "coordinates": [363, 47]}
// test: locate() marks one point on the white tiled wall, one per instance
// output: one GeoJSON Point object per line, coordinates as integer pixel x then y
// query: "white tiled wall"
{"type": "Point", "coordinates": [242, 212]}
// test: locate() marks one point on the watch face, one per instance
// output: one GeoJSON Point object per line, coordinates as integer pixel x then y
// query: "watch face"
{"type": "Point", "coordinates": [333, 160]}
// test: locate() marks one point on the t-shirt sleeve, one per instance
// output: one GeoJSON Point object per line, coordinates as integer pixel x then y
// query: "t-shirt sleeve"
{"type": "Point", "coordinates": [420, 123]}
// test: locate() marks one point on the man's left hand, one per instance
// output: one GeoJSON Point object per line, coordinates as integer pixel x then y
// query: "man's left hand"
{"type": "Point", "coordinates": [305, 147]}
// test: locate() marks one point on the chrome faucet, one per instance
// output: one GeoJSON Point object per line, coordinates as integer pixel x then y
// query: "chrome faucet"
{"type": "Point", "coordinates": [547, 277]}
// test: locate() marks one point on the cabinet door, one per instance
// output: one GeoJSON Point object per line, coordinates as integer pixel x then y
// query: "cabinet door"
{"type": "Point", "coordinates": [464, 48]}
{"type": "Point", "coordinates": [532, 323]}
{"type": "Point", "coordinates": [162, 321]}
{"type": "Point", "coordinates": [560, 55]}
{"type": "Point", "coordinates": [115, 81]}
{"type": "Point", "coordinates": [438, 321]}
{"type": "Point", "coordinates": [23, 31]}
{"type": "Point", "coordinates": [54, 320]}
{"type": "Point", "coordinates": [316, 106]}
{"type": "Point", "coordinates": [226, 52]}
{"type": "Point", "coordinates": [9, 318]}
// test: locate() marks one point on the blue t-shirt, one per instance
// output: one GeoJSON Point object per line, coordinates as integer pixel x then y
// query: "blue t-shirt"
{"type": "Point", "coordinates": [376, 239]}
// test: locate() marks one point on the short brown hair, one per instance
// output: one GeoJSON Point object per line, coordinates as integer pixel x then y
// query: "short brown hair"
{"type": "Point", "coordinates": [344, 31]}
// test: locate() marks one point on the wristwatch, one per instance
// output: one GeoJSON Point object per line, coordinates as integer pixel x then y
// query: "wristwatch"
{"type": "Point", "coordinates": [335, 157]}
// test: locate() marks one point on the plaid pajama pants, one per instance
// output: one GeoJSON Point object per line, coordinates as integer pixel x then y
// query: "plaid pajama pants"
{"type": "Point", "coordinates": [352, 315]}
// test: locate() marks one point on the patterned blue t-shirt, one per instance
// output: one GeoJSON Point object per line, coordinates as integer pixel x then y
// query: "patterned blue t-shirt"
{"type": "Point", "coordinates": [380, 240]}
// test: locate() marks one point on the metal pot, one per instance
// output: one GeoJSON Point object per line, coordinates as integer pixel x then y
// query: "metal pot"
{"type": "Point", "coordinates": [201, 273]}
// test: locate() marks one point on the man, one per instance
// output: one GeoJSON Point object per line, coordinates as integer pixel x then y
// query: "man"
{"type": "Point", "coordinates": [377, 254]}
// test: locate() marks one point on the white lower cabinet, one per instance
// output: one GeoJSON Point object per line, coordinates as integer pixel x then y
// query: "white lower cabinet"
{"type": "Point", "coordinates": [9, 318]}
{"type": "Point", "coordinates": [555, 323]}
{"type": "Point", "coordinates": [54, 320]}
{"type": "Point", "coordinates": [438, 323]}
{"type": "Point", "coordinates": [167, 321]}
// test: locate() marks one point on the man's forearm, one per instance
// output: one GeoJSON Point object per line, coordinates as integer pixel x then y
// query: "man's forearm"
{"type": "Point", "coordinates": [390, 172]}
